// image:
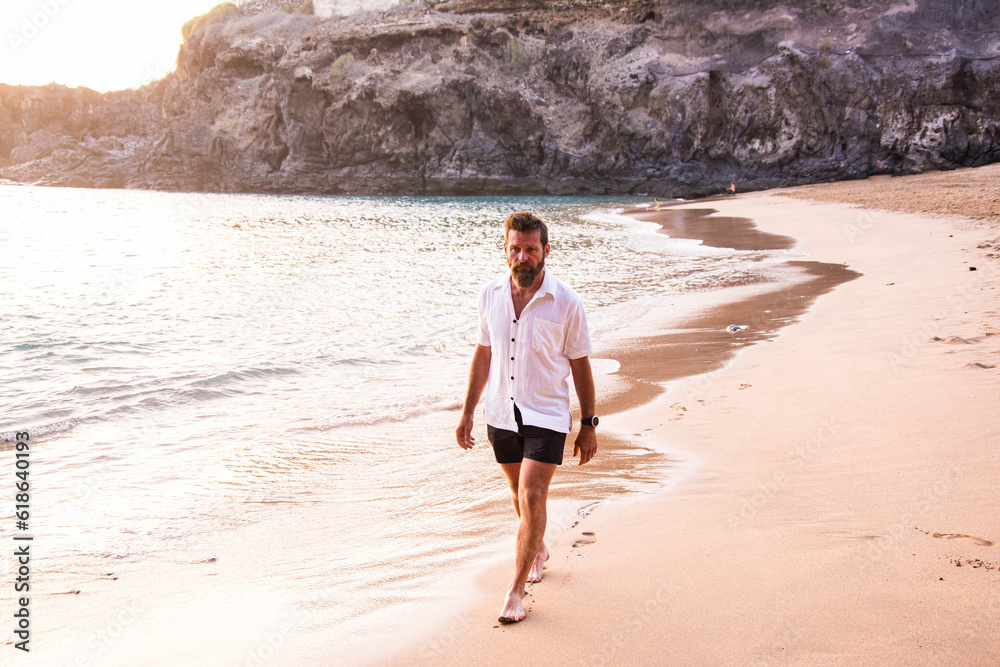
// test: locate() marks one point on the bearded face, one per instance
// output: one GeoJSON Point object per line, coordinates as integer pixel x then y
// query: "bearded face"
{"type": "Point", "coordinates": [525, 257]}
{"type": "Point", "coordinates": [524, 273]}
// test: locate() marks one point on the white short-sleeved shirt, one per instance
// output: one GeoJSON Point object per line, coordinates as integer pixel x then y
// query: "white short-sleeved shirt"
{"type": "Point", "coordinates": [530, 355]}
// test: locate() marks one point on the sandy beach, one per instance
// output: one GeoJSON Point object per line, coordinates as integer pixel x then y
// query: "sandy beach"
{"type": "Point", "coordinates": [838, 501]}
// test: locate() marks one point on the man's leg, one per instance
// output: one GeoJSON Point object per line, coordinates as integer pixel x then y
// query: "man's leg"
{"type": "Point", "coordinates": [532, 496]}
{"type": "Point", "coordinates": [513, 473]}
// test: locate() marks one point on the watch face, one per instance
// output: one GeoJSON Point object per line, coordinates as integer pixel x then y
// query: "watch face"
{"type": "Point", "coordinates": [592, 421]}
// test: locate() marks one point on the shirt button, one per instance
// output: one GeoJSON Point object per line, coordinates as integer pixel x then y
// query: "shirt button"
{"type": "Point", "coordinates": [511, 377]}
{"type": "Point", "coordinates": [512, 340]}
{"type": "Point", "coordinates": [512, 358]}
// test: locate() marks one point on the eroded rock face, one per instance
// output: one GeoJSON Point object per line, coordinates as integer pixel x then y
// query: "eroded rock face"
{"type": "Point", "coordinates": [572, 97]}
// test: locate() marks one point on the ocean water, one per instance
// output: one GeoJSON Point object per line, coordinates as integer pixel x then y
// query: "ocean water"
{"type": "Point", "coordinates": [242, 407]}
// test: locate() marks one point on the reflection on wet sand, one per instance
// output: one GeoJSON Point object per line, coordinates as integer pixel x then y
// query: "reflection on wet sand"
{"type": "Point", "coordinates": [701, 344]}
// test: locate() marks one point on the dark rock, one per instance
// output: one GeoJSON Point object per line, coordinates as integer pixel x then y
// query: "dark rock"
{"type": "Point", "coordinates": [525, 96]}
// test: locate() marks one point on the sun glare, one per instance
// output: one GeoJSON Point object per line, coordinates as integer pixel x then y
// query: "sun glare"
{"type": "Point", "coordinates": [101, 44]}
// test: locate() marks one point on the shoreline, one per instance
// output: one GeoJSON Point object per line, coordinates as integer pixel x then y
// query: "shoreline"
{"type": "Point", "coordinates": [841, 510]}
{"type": "Point", "coordinates": [701, 342]}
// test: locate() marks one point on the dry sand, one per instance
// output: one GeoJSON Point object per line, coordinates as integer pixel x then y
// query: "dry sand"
{"type": "Point", "coordinates": [842, 502]}
{"type": "Point", "coordinates": [973, 193]}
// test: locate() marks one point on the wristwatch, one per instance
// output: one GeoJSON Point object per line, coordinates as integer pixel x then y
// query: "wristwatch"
{"type": "Point", "coordinates": [590, 421]}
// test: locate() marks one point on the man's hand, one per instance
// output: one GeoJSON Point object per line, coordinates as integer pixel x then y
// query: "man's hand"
{"type": "Point", "coordinates": [463, 434]}
{"type": "Point", "coordinates": [479, 373]}
{"type": "Point", "coordinates": [583, 379]}
{"type": "Point", "coordinates": [586, 444]}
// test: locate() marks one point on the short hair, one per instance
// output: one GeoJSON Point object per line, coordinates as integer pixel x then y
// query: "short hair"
{"type": "Point", "coordinates": [525, 222]}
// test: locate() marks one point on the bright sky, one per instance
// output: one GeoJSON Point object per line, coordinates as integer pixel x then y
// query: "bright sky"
{"type": "Point", "coordinates": [101, 44]}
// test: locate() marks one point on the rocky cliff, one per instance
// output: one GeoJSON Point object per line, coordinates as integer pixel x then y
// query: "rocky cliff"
{"type": "Point", "coordinates": [675, 98]}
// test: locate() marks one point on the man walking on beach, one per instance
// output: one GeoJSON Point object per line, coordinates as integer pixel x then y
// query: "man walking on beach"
{"type": "Point", "coordinates": [532, 336]}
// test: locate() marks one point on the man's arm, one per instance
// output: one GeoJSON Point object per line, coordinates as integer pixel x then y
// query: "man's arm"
{"type": "Point", "coordinates": [583, 380]}
{"type": "Point", "coordinates": [478, 375]}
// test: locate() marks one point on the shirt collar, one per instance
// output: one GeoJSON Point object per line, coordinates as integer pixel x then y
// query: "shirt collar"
{"type": "Point", "coordinates": [547, 286]}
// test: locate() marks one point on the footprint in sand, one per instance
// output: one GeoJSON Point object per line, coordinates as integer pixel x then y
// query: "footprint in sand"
{"type": "Point", "coordinates": [587, 538]}
{"type": "Point", "coordinates": [957, 340]}
{"type": "Point", "coordinates": [975, 563]}
{"type": "Point", "coordinates": [954, 536]}
{"type": "Point", "coordinates": [953, 340]}
{"type": "Point", "coordinates": [979, 365]}
{"type": "Point", "coordinates": [679, 415]}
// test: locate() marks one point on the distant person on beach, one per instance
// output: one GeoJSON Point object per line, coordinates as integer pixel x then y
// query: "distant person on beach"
{"type": "Point", "coordinates": [532, 336]}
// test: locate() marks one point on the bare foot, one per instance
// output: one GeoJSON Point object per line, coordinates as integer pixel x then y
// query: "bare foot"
{"type": "Point", "coordinates": [535, 574]}
{"type": "Point", "coordinates": [512, 611]}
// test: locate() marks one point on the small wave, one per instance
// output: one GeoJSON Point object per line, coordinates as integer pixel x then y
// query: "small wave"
{"type": "Point", "coordinates": [102, 391]}
{"type": "Point", "coordinates": [248, 374]}
{"type": "Point", "coordinates": [108, 401]}
{"type": "Point", "coordinates": [358, 361]}
{"type": "Point", "coordinates": [618, 217]}
{"type": "Point", "coordinates": [182, 384]}
{"type": "Point", "coordinates": [102, 346]}
{"type": "Point", "coordinates": [604, 366]}
{"type": "Point", "coordinates": [40, 432]}
{"type": "Point", "coordinates": [652, 238]}
{"type": "Point", "coordinates": [390, 415]}
{"type": "Point", "coordinates": [47, 344]}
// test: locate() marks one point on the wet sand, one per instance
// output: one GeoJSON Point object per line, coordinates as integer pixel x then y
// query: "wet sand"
{"type": "Point", "coordinates": [702, 344]}
{"type": "Point", "coordinates": [839, 505]}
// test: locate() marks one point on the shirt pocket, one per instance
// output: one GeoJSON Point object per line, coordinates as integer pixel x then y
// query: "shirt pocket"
{"type": "Point", "coordinates": [547, 337]}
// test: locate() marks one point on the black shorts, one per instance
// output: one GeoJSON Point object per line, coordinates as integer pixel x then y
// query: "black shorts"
{"type": "Point", "coordinates": [530, 442]}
